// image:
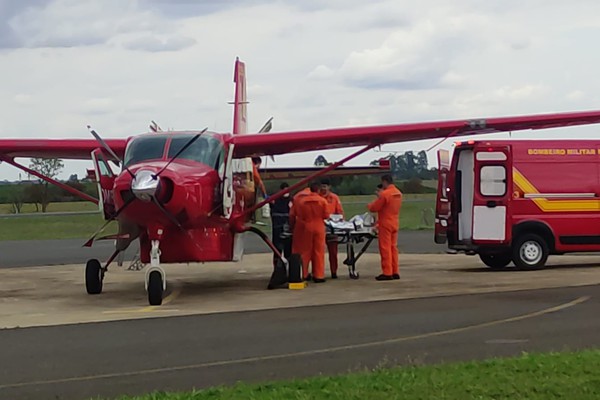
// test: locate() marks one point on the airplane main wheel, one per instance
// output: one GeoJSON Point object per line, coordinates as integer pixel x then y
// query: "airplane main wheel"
{"type": "Point", "coordinates": [155, 288]}
{"type": "Point", "coordinates": [93, 277]}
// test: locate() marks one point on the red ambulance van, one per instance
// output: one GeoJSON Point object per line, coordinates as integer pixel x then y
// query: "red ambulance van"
{"type": "Point", "coordinates": [519, 200]}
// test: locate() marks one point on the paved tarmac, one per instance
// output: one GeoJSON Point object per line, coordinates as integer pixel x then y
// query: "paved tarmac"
{"type": "Point", "coordinates": [31, 253]}
{"type": "Point", "coordinates": [219, 325]}
{"type": "Point", "coordinates": [181, 353]}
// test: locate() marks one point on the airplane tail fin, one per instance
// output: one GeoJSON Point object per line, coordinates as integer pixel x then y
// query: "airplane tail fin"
{"type": "Point", "coordinates": [240, 119]}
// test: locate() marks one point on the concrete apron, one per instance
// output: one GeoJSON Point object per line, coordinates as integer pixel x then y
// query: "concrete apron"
{"type": "Point", "coordinates": [42, 296]}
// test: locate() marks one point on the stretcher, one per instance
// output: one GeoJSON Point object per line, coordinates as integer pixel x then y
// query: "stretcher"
{"type": "Point", "coordinates": [359, 229]}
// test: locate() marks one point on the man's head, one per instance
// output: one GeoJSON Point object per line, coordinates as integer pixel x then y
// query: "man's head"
{"type": "Point", "coordinates": [325, 186]}
{"type": "Point", "coordinates": [283, 186]}
{"type": "Point", "coordinates": [386, 180]}
{"type": "Point", "coordinates": [314, 186]}
{"type": "Point", "coordinates": [256, 161]}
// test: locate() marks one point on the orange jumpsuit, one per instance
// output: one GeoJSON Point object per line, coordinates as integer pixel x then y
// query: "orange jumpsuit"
{"type": "Point", "coordinates": [258, 180]}
{"type": "Point", "coordinates": [387, 207]}
{"type": "Point", "coordinates": [307, 217]}
{"type": "Point", "coordinates": [334, 206]}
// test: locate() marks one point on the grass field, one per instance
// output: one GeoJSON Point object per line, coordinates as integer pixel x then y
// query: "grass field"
{"type": "Point", "coordinates": [417, 213]}
{"type": "Point", "coordinates": [531, 376]}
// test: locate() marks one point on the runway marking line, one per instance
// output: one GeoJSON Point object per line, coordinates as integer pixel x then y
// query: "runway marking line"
{"type": "Point", "coordinates": [401, 339]}
{"type": "Point", "coordinates": [174, 294]}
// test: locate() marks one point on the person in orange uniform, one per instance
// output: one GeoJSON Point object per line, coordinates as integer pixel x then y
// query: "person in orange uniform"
{"type": "Point", "coordinates": [307, 216]}
{"type": "Point", "coordinates": [387, 206]}
{"type": "Point", "coordinates": [334, 206]}
{"type": "Point", "coordinates": [256, 162]}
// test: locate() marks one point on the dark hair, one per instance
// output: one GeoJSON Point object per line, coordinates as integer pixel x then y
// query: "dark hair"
{"type": "Point", "coordinates": [380, 186]}
{"type": "Point", "coordinates": [283, 185]}
{"type": "Point", "coordinates": [325, 181]}
{"type": "Point", "coordinates": [314, 186]}
{"type": "Point", "coordinates": [387, 178]}
{"type": "Point", "coordinates": [256, 160]}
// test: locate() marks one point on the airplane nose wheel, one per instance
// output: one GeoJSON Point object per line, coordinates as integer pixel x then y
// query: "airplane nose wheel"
{"type": "Point", "coordinates": [94, 275]}
{"type": "Point", "coordinates": [155, 288]}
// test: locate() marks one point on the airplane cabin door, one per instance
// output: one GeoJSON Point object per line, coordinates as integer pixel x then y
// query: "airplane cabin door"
{"type": "Point", "coordinates": [106, 180]}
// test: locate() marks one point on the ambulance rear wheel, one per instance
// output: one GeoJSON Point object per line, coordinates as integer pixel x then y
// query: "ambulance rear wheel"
{"type": "Point", "coordinates": [530, 252]}
{"type": "Point", "coordinates": [496, 260]}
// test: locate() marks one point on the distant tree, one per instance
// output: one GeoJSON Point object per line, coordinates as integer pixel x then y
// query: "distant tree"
{"type": "Point", "coordinates": [321, 161]}
{"type": "Point", "coordinates": [49, 167]}
{"type": "Point", "coordinates": [17, 198]}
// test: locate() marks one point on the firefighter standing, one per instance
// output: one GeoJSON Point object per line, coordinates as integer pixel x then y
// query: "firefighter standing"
{"type": "Point", "coordinates": [280, 217]}
{"type": "Point", "coordinates": [307, 217]}
{"type": "Point", "coordinates": [334, 206]}
{"type": "Point", "coordinates": [256, 162]}
{"type": "Point", "coordinates": [387, 205]}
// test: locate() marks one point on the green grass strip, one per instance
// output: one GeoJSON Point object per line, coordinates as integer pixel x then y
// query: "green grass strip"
{"type": "Point", "coordinates": [532, 376]}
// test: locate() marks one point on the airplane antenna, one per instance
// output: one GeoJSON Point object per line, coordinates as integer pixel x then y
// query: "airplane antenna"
{"type": "Point", "coordinates": [154, 127]}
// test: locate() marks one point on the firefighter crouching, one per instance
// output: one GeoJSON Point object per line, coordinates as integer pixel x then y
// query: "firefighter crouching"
{"type": "Point", "coordinates": [387, 205]}
{"type": "Point", "coordinates": [334, 206]}
{"type": "Point", "coordinates": [307, 217]}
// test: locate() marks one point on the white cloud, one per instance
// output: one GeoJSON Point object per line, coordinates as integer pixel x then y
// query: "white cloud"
{"type": "Point", "coordinates": [117, 64]}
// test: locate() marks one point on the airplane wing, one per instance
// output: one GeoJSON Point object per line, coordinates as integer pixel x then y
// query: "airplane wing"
{"type": "Point", "coordinates": [77, 149]}
{"type": "Point", "coordinates": [303, 172]}
{"type": "Point", "coordinates": [299, 141]}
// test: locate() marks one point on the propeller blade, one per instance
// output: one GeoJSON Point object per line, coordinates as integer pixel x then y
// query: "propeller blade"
{"type": "Point", "coordinates": [167, 213]}
{"type": "Point", "coordinates": [91, 240]}
{"type": "Point", "coordinates": [109, 150]}
{"type": "Point", "coordinates": [184, 148]}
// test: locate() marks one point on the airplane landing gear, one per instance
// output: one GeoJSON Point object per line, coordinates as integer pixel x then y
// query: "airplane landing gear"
{"type": "Point", "coordinates": [156, 284]}
{"type": "Point", "coordinates": [94, 275]}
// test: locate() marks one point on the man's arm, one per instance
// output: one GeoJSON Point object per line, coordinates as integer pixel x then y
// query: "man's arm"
{"type": "Point", "coordinates": [377, 205]}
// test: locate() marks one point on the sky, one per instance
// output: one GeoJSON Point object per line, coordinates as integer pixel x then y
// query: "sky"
{"type": "Point", "coordinates": [118, 64]}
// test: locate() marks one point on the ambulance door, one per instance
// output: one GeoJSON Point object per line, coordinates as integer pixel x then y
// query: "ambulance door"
{"type": "Point", "coordinates": [465, 187]}
{"type": "Point", "coordinates": [442, 205]}
{"type": "Point", "coordinates": [493, 183]}
{"type": "Point", "coordinates": [106, 180]}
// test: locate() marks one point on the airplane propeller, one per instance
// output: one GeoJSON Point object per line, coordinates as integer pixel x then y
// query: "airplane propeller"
{"type": "Point", "coordinates": [110, 151]}
{"type": "Point", "coordinates": [145, 184]}
{"type": "Point", "coordinates": [91, 240]}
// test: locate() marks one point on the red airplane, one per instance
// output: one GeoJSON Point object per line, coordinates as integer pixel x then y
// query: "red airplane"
{"type": "Point", "coordinates": [188, 196]}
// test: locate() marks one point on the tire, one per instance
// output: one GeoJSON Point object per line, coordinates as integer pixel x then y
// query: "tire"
{"type": "Point", "coordinates": [530, 252]}
{"type": "Point", "coordinates": [496, 261]}
{"type": "Point", "coordinates": [93, 277]}
{"type": "Point", "coordinates": [155, 288]}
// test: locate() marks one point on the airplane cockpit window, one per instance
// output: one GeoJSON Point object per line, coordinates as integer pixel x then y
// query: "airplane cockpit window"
{"type": "Point", "coordinates": [206, 149]}
{"type": "Point", "coordinates": [145, 148]}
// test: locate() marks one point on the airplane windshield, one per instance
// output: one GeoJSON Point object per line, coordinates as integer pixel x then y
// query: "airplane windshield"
{"type": "Point", "coordinates": [206, 149]}
{"type": "Point", "coordinates": [145, 148]}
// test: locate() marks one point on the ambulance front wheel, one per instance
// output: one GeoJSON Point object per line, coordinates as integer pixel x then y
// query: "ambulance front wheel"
{"type": "Point", "coordinates": [496, 260]}
{"type": "Point", "coordinates": [530, 251]}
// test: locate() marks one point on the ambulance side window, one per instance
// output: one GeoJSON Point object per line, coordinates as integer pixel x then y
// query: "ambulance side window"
{"type": "Point", "coordinates": [492, 180]}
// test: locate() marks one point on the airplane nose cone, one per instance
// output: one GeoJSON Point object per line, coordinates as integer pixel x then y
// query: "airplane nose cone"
{"type": "Point", "coordinates": [145, 185]}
